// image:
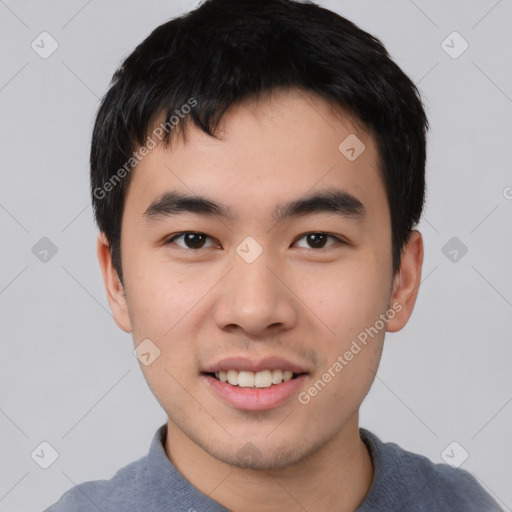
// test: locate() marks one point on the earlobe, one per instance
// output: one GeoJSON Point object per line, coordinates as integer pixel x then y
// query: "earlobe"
{"type": "Point", "coordinates": [406, 282]}
{"type": "Point", "coordinates": [113, 286]}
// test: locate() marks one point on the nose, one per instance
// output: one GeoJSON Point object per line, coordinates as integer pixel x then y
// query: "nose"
{"type": "Point", "coordinates": [256, 297]}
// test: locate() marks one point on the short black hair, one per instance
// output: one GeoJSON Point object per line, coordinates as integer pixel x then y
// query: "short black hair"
{"type": "Point", "coordinates": [229, 51]}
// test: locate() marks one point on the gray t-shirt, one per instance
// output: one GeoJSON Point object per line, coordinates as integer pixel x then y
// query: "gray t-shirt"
{"type": "Point", "coordinates": [403, 481]}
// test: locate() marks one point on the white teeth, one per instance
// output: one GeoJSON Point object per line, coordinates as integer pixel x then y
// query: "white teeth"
{"type": "Point", "coordinates": [233, 377]}
{"type": "Point", "coordinates": [263, 379]}
{"type": "Point", "coordinates": [277, 376]}
{"type": "Point", "coordinates": [246, 379]}
{"type": "Point", "coordinates": [287, 375]}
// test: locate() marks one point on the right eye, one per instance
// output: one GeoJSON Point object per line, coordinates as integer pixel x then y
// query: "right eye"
{"type": "Point", "coordinates": [192, 240]}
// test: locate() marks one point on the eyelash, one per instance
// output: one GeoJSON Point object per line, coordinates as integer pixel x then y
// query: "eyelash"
{"type": "Point", "coordinates": [339, 241]}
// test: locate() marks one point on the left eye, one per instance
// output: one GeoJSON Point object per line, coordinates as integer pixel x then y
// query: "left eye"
{"type": "Point", "coordinates": [317, 240]}
{"type": "Point", "coordinates": [195, 240]}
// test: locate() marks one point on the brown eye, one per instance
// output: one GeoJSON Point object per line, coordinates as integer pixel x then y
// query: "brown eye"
{"type": "Point", "coordinates": [318, 240]}
{"type": "Point", "coordinates": [191, 239]}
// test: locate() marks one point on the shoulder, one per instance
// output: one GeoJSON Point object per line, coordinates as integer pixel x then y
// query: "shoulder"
{"type": "Point", "coordinates": [117, 493]}
{"type": "Point", "coordinates": [408, 481]}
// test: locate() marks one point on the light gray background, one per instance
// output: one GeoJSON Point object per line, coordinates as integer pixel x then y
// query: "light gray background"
{"type": "Point", "coordinates": [68, 374]}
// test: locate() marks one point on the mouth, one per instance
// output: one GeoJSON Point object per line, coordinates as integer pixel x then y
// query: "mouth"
{"type": "Point", "coordinates": [247, 379]}
{"type": "Point", "coordinates": [254, 391]}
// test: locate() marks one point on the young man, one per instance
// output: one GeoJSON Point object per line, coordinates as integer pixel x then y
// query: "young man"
{"type": "Point", "coordinates": [257, 169]}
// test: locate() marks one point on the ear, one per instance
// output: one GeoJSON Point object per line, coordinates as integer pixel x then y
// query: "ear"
{"type": "Point", "coordinates": [407, 282]}
{"type": "Point", "coordinates": [113, 286]}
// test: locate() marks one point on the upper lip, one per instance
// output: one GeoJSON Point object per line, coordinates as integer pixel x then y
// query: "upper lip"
{"type": "Point", "coordinates": [254, 365]}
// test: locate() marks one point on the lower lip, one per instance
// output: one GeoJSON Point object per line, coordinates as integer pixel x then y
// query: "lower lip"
{"type": "Point", "coordinates": [255, 399]}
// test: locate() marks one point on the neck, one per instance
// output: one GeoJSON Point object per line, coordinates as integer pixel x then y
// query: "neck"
{"type": "Point", "coordinates": [337, 476]}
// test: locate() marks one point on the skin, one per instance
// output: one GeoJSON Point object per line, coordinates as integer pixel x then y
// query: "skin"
{"type": "Point", "coordinates": [297, 301]}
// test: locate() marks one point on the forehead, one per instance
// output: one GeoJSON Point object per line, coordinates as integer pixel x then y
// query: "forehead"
{"type": "Point", "coordinates": [278, 147]}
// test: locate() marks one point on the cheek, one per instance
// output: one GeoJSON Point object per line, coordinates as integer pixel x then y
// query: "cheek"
{"type": "Point", "coordinates": [161, 306]}
{"type": "Point", "coordinates": [159, 296]}
{"type": "Point", "coordinates": [344, 301]}
{"type": "Point", "coordinates": [164, 303]}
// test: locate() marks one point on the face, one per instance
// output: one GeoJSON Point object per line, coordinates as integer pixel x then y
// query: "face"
{"type": "Point", "coordinates": [256, 291]}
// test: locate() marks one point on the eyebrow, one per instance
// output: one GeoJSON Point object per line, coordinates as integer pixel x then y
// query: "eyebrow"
{"type": "Point", "coordinates": [336, 202]}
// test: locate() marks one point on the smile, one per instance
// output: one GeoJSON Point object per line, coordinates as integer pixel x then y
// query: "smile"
{"type": "Point", "coordinates": [262, 379]}
{"type": "Point", "coordinates": [248, 393]}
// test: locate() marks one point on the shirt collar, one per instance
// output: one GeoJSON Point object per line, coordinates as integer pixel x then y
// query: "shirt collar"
{"type": "Point", "coordinates": [170, 489]}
